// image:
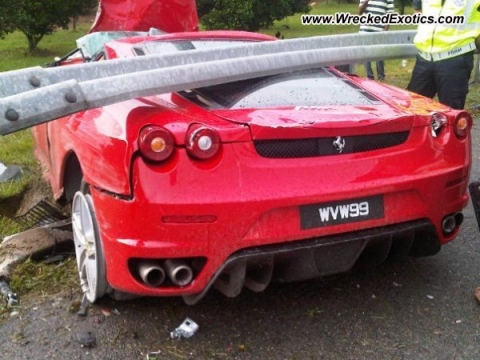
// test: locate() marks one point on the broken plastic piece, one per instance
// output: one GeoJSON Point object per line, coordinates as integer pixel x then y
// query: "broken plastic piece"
{"type": "Point", "coordinates": [83, 307]}
{"type": "Point", "coordinates": [9, 173]}
{"type": "Point", "coordinates": [187, 329]}
{"type": "Point", "coordinates": [154, 355]}
{"type": "Point", "coordinates": [9, 296]}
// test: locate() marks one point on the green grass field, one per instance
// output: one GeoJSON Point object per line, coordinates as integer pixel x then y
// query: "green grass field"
{"type": "Point", "coordinates": [18, 148]}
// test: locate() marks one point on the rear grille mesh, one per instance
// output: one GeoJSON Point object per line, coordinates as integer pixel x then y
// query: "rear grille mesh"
{"type": "Point", "coordinates": [301, 148]}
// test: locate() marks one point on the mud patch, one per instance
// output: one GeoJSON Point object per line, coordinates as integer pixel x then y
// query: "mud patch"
{"type": "Point", "coordinates": [36, 191]}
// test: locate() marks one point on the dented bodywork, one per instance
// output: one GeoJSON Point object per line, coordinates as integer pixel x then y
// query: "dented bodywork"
{"type": "Point", "coordinates": [80, 87]}
{"type": "Point", "coordinates": [142, 15]}
{"type": "Point", "coordinates": [229, 160]}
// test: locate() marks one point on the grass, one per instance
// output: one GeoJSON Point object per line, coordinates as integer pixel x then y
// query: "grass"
{"type": "Point", "coordinates": [14, 48]}
{"type": "Point", "coordinates": [41, 281]}
{"type": "Point", "coordinates": [17, 148]}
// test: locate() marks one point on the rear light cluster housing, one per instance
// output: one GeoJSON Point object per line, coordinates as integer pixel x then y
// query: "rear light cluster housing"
{"type": "Point", "coordinates": [157, 144]}
{"type": "Point", "coordinates": [202, 142]}
{"type": "Point", "coordinates": [461, 125]}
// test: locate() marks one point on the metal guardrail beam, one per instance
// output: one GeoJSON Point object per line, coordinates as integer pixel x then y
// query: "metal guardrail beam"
{"type": "Point", "coordinates": [17, 81]}
{"type": "Point", "coordinates": [89, 88]}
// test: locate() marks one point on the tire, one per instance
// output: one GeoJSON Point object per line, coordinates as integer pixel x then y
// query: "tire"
{"type": "Point", "coordinates": [88, 246]}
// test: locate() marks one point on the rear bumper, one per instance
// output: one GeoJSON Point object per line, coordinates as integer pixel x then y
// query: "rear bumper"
{"type": "Point", "coordinates": [317, 257]}
{"type": "Point", "coordinates": [245, 203]}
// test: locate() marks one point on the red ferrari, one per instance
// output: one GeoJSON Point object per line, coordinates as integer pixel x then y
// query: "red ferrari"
{"type": "Point", "coordinates": [277, 178]}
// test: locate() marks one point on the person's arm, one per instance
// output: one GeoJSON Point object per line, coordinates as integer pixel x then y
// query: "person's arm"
{"type": "Point", "coordinates": [390, 9]}
{"type": "Point", "coordinates": [362, 6]}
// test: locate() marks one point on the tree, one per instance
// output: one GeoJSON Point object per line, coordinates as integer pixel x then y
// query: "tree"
{"type": "Point", "coordinates": [80, 8]}
{"type": "Point", "coordinates": [7, 14]}
{"type": "Point", "coordinates": [37, 18]}
{"type": "Point", "coordinates": [248, 15]}
{"type": "Point", "coordinates": [401, 4]}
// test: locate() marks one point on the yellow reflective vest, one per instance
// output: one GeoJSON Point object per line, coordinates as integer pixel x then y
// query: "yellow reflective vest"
{"type": "Point", "coordinates": [440, 41]}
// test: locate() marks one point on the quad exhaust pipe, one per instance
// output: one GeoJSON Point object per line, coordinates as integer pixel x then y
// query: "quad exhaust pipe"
{"type": "Point", "coordinates": [179, 272]}
{"type": "Point", "coordinates": [151, 273]}
{"type": "Point", "coordinates": [451, 222]}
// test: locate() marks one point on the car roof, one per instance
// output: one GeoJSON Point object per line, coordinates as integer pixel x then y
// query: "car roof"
{"type": "Point", "coordinates": [117, 40]}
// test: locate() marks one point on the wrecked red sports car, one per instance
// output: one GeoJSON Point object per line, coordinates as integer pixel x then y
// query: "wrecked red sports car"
{"type": "Point", "coordinates": [282, 177]}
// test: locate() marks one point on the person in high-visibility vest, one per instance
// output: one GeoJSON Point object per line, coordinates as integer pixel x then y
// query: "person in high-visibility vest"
{"type": "Point", "coordinates": [445, 50]}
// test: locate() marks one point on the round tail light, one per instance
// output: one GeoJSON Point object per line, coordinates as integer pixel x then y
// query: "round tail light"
{"type": "Point", "coordinates": [155, 143]}
{"type": "Point", "coordinates": [202, 142]}
{"type": "Point", "coordinates": [463, 124]}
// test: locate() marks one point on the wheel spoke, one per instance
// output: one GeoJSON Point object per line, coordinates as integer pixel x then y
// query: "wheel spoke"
{"type": "Point", "coordinates": [89, 256]}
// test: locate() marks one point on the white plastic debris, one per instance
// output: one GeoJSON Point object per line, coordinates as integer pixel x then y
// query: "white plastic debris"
{"type": "Point", "coordinates": [187, 329]}
{"type": "Point", "coordinates": [154, 355]}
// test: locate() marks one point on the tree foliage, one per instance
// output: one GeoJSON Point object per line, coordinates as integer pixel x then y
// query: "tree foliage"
{"type": "Point", "coordinates": [401, 4]}
{"type": "Point", "coordinates": [37, 18]}
{"type": "Point", "coordinates": [248, 15]}
{"type": "Point", "coordinates": [7, 13]}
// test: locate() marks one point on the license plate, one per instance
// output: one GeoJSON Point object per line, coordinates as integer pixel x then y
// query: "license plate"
{"type": "Point", "coordinates": [341, 212]}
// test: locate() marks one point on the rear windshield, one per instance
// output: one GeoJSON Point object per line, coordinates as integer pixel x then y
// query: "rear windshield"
{"type": "Point", "coordinates": [314, 87]}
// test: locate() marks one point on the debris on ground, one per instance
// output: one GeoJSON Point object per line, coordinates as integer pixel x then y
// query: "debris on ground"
{"type": "Point", "coordinates": [187, 329]}
{"type": "Point", "coordinates": [32, 243]}
{"type": "Point", "coordinates": [10, 297]}
{"type": "Point", "coordinates": [477, 293]}
{"type": "Point", "coordinates": [83, 310]}
{"type": "Point", "coordinates": [87, 339]}
{"type": "Point", "coordinates": [155, 355]}
{"type": "Point", "coordinates": [43, 212]}
{"type": "Point", "coordinates": [9, 173]}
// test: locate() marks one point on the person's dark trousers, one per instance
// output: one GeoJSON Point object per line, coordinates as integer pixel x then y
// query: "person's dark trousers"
{"type": "Point", "coordinates": [449, 78]}
{"type": "Point", "coordinates": [380, 70]}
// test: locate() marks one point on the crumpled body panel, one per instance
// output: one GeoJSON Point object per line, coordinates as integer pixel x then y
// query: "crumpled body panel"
{"type": "Point", "coordinates": [141, 15]}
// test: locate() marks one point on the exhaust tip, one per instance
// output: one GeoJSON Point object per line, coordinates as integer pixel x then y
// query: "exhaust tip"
{"type": "Point", "coordinates": [179, 272]}
{"type": "Point", "coordinates": [450, 223]}
{"type": "Point", "coordinates": [459, 218]}
{"type": "Point", "coordinates": [151, 273]}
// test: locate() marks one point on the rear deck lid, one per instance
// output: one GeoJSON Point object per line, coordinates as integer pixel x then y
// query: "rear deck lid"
{"type": "Point", "coordinates": [317, 102]}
